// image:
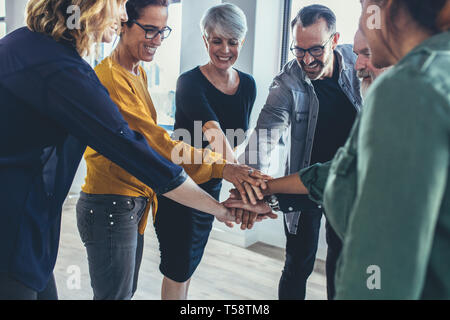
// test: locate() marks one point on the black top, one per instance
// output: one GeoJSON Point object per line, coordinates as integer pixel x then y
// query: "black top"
{"type": "Point", "coordinates": [51, 106]}
{"type": "Point", "coordinates": [197, 99]}
{"type": "Point", "coordinates": [336, 117]}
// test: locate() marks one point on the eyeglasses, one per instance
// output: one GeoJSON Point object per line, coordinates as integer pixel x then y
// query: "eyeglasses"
{"type": "Point", "coordinates": [153, 32]}
{"type": "Point", "coordinates": [316, 51]}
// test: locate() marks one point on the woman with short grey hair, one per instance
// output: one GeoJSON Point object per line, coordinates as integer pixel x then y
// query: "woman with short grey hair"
{"type": "Point", "coordinates": [226, 20]}
{"type": "Point", "coordinates": [220, 98]}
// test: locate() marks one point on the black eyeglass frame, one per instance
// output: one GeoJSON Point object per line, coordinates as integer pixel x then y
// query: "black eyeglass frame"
{"type": "Point", "coordinates": [315, 55]}
{"type": "Point", "coordinates": [147, 30]}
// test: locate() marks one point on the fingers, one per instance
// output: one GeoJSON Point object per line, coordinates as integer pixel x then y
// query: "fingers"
{"type": "Point", "coordinates": [239, 204]}
{"type": "Point", "coordinates": [251, 220]}
{"type": "Point", "coordinates": [245, 219]}
{"type": "Point", "coordinates": [229, 224]}
{"type": "Point", "coordinates": [259, 175]}
{"type": "Point", "coordinates": [258, 192]}
{"type": "Point", "coordinates": [234, 194]}
{"type": "Point", "coordinates": [241, 191]}
{"type": "Point", "coordinates": [238, 215]}
{"type": "Point", "coordinates": [249, 190]}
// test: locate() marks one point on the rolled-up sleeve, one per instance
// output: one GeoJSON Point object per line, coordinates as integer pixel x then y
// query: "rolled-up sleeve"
{"type": "Point", "coordinates": [314, 179]}
{"type": "Point", "coordinates": [77, 101]}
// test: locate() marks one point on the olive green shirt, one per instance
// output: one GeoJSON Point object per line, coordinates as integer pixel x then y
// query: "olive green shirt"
{"type": "Point", "coordinates": [387, 193]}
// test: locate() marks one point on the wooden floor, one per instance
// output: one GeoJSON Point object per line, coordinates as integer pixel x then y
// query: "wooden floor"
{"type": "Point", "coordinates": [227, 272]}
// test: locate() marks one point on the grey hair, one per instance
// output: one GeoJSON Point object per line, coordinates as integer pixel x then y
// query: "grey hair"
{"type": "Point", "coordinates": [226, 19]}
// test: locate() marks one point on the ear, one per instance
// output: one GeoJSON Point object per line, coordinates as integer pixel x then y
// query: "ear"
{"type": "Point", "coordinates": [336, 38]}
{"type": "Point", "coordinates": [444, 17]}
{"type": "Point", "coordinates": [205, 40]}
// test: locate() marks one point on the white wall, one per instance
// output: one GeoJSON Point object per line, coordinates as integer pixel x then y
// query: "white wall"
{"type": "Point", "coordinates": [15, 14]}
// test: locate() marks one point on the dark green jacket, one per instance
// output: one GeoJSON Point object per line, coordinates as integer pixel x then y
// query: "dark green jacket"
{"type": "Point", "coordinates": [387, 191]}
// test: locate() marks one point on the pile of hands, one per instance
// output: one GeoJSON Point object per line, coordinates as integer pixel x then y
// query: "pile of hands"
{"type": "Point", "coordinates": [245, 205]}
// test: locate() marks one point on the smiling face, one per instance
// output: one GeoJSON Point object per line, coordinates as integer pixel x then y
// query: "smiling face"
{"type": "Point", "coordinates": [222, 52]}
{"type": "Point", "coordinates": [110, 33]}
{"type": "Point", "coordinates": [315, 35]}
{"type": "Point", "coordinates": [133, 38]}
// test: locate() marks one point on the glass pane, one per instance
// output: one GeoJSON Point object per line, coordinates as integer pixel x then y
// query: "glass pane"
{"type": "Point", "coordinates": [2, 29]}
{"type": "Point", "coordinates": [347, 16]}
{"type": "Point", "coordinates": [163, 71]}
{"type": "Point", "coordinates": [2, 8]}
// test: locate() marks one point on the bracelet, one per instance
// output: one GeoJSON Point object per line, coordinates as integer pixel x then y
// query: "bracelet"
{"type": "Point", "coordinates": [272, 202]}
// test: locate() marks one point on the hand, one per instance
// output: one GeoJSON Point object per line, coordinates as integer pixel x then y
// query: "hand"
{"type": "Point", "coordinates": [245, 218]}
{"type": "Point", "coordinates": [246, 180]}
{"type": "Point", "coordinates": [248, 214]}
{"type": "Point", "coordinates": [226, 216]}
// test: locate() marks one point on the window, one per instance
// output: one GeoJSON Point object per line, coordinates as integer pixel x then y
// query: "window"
{"type": "Point", "coordinates": [347, 16]}
{"type": "Point", "coordinates": [163, 71]}
{"type": "Point", "coordinates": [2, 19]}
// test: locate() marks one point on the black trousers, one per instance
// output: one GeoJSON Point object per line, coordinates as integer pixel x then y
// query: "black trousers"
{"type": "Point", "coordinates": [301, 251]}
{"type": "Point", "coordinates": [12, 289]}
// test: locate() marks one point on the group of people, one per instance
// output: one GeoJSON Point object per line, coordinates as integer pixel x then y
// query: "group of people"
{"type": "Point", "coordinates": [373, 160]}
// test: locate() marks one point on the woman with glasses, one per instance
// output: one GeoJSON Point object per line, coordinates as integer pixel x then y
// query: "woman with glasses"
{"type": "Point", "coordinates": [113, 207]}
{"type": "Point", "coordinates": [45, 132]}
{"type": "Point", "coordinates": [214, 97]}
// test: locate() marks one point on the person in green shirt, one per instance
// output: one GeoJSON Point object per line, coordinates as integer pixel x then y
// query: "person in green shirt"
{"type": "Point", "coordinates": [387, 191]}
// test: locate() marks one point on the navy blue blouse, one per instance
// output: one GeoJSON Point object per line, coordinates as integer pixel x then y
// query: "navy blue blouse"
{"type": "Point", "coordinates": [52, 106]}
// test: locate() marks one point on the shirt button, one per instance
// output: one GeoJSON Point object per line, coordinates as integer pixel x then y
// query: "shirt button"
{"type": "Point", "coordinates": [320, 207]}
{"type": "Point", "coordinates": [132, 217]}
{"type": "Point", "coordinates": [114, 203]}
{"type": "Point", "coordinates": [121, 132]}
{"type": "Point", "coordinates": [290, 209]}
{"type": "Point", "coordinates": [110, 215]}
{"type": "Point", "coordinates": [111, 223]}
{"type": "Point", "coordinates": [128, 202]}
{"type": "Point", "coordinates": [92, 211]}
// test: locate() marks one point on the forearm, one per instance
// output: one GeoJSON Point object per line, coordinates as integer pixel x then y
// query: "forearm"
{"type": "Point", "coordinates": [218, 141]}
{"type": "Point", "coordinates": [191, 195]}
{"type": "Point", "coordinates": [291, 184]}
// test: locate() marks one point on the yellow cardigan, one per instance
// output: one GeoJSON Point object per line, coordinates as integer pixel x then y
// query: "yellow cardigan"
{"type": "Point", "coordinates": [130, 94]}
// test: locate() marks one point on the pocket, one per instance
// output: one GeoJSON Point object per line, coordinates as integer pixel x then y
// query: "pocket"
{"type": "Point", "coordinates": [300, 116]}
{"type": "Point", "coordinates": [85, 220]}
{"type": "Point", "coordinates": [127, 210]}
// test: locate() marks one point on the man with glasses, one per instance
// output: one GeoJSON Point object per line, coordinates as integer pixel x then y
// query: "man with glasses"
{"type": "Point", "coordinates": [317, 96]}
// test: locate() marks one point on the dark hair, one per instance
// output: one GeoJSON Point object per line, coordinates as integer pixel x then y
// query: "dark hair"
{"type": "Point", "coordinates": [135, 7]}
{"type": "Point", "coordinates": [424, 13]}
{"type": "Point", "coordinates": [309, 15]}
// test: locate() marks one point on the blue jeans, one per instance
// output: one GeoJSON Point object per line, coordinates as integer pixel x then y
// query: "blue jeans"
{"type": "Point", "coordinates": [108, 226]}
{"type": "Point", "coordinates": [301, 249]}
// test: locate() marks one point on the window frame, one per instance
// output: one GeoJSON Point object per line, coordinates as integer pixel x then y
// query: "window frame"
{"type": "Point", "coordinates": [286, 32]}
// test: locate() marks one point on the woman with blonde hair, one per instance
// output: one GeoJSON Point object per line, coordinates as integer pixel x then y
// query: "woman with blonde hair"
{"type": "Point", "coordinates": [53, 106]}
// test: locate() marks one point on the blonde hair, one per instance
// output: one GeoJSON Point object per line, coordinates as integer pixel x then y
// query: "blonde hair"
{"type": "Point", "coordinates": [51, 18]}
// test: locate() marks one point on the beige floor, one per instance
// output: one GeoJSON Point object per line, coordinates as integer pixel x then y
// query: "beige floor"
{"type": "Point", "coordinates": [227, 272]}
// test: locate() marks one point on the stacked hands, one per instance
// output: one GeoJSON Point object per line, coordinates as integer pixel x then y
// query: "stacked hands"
{"type": "Point", "coordinates": [245, 205]}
